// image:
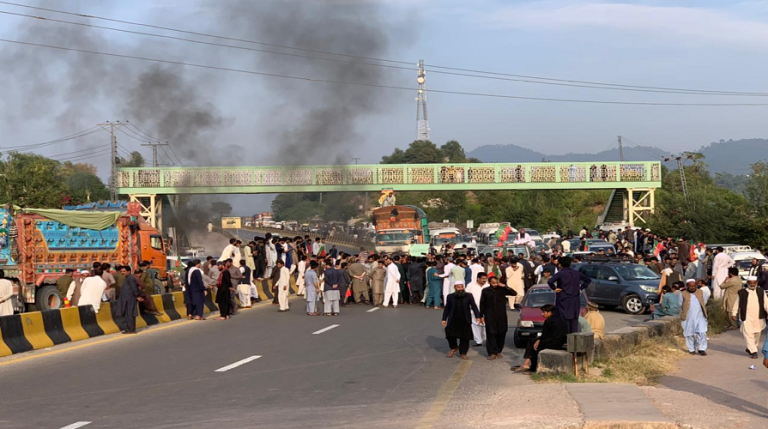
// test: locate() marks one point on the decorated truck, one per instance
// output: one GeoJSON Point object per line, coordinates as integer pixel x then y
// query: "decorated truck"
{"type": "Point", "coordinates": [399, 227]}
{"type": "Point", "coordinates": [37, 245]}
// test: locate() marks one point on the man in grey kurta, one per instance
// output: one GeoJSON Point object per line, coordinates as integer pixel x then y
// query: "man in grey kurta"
{"type": "Point", "coordinates": [359, 276]}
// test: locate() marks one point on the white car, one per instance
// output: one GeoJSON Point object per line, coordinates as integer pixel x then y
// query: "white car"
{"type": "Point", "coordinates": [744, 261]}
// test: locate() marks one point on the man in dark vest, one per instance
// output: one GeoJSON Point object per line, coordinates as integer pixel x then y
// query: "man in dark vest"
{"type": "Point", "coordinates": [752, 309]}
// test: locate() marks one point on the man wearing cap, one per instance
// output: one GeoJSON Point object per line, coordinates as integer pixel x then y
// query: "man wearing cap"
{"type": "Point", "coordinates": [752, 308]}
{"type": "Point", "coordinates": [693, 316]}
{"type": "Point", "coordinates": [731, 288]}
{"type": "Point", "coordinates": [595, 320]}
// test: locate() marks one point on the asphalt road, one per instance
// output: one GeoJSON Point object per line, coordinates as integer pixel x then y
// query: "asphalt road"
{"type": "Point", "coordinates": [380, 369]}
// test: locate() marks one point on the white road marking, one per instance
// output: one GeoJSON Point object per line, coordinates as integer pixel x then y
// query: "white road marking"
{"type": "Point", "coordinates": [76, 425]}
{"type": "Point", "coordinates": [325, 329]}
{"type": "Point", "coordinates": [373, 309]}
{"type": "Point", "coordinates": [238, 363]}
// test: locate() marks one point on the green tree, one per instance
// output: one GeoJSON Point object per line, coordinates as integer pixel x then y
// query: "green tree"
{"type": "Point", "coordinates": [418, 152]}
{"type": "Point", "coordinates": [31, 180]}
{"type": "Point", "coordinates": [221, 208]}
{"type": "Point", "coordinates": [453, 152]}
{"type": "Point", "coordinates": [136, 160]}
{"type": "Point", "coordinates": [83, 187]}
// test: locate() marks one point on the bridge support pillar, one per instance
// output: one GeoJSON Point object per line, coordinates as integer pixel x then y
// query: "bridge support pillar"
{"type": "Point", "coordinates": [151, 208]}
{"type": "Point", "coordinates": [641, 204]}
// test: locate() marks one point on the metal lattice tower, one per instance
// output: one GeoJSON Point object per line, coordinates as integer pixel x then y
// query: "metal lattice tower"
{"type": "Point", "coordinates": [422, 120]}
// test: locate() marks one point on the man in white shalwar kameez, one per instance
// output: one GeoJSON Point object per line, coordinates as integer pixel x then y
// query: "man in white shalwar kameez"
{"type": "Point", "coordinates": [392, 286]}
{"type": "Point", "coordinates": [720, 266]}
{"type": "Point", "coordinates": [447, 279]}
{"type": "Point", "coordinates": [232, 251]}
{"type": "Point", "coordinates": [92, 290]}
{"type": "Point", "coordinates": [476, 289]}
{"type": "Point", "coordinates": [752, 308]}
{"type": "Point", "coordinates": [693, 317]}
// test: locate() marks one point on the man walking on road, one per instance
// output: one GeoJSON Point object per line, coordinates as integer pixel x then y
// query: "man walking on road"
{"type": "Point", "coordinates": [392, 288]}
{"type": "Point", "coordinates": [130, 296]}
{"type": "Point", "coordinates": [693, 316]}
{"type": "Point", "coordinates": [568, 284]}
{"type": "Point", "coordinates": [457, 320]}
{"type": "Point", "coordinates": [493, 308]}
{"type": "Point", "coordinates": [475, 289]}
{"type": "Point", "coordinates": [282, 286]}
{"type": "Point", "coordinates": [752, 308]}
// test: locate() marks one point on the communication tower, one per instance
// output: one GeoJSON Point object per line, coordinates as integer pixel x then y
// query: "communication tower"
{"type": "Point", "coordinates": [422, 121]}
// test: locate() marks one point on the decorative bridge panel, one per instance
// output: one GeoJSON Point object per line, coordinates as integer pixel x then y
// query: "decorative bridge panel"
{"type": "Point", "coordinates": [408, 177]}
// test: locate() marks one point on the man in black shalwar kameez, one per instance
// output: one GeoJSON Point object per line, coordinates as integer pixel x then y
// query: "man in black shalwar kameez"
{"type": "Point", "coordinates": [130, 295]}
{"type": "Point", "coordinates": [493, 308]}
{"type": "Point", "coordinates": [457, 320]}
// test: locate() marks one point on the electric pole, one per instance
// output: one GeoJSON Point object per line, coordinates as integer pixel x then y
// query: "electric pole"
{"type": "Point", "coordinates": [154, 147]}
{"type": "Point", "coordinates": [356, 159]}
{"type": "Point", "coordinates": [422, 120]}
{"type": "Point", "coordinates": [113, 158]}
{"type": "Point", "coordinates": [621, 150]}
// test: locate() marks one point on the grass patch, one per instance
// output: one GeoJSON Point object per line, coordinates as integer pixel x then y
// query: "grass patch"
{"type": "Point", "coordinates": [717, 317]}
{"type": "Point", "coordinates": [645, 365]}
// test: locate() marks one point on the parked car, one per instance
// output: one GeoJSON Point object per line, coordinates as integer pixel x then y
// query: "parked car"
{"type": "Point", "coordinates": [744, 261]}
{"type": "Point", "coordinates": [531, 321]}
{"type": "Point", "coordinates": [505, 249]}
{"type": "Point", "coordinates": [632, 286]}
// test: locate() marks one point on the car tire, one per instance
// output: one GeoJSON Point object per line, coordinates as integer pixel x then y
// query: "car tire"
{"type": "Point", "coordinates": [519, 343]}
{"type": "Point", "coordinates": [48, 299]}
{"type": "Point", "coordinates": [632, 304]}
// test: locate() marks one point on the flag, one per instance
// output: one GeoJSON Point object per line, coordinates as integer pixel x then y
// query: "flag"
{"type": "Point", "coordinates": [322, 251]}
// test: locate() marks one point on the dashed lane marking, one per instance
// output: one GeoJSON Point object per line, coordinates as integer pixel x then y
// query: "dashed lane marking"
{"type": "Point", "coordinates": [238, 363]}
{"type": "Point", "coordinates": [325, 330]}
{"type": "Point", "coordinates": [76, 425]}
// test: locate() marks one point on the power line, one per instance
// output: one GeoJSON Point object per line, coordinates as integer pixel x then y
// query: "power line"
{"type": "Point", "coordinates": [101, 146]}
{"type": "Point", "coordinates": [371, 85]}
{"type": "Point", "coordinates": [27, 148]}
{"type": "Point", "coordinates": [168, 157]}
{"type": "Point", "coordinates": [141, 132]}
{"type": "Point", "coordinates": [234, 39]}
{"type": "Point", "coordinates": [200, 42]}
{"type": "Point", "coordinates": [431, 67]}
{"type": "Point", "coordinates": [587, 82]}
{"type": "Point", "coordinates": [104, 151]}
{"type": "Point", "coordinates": [176, 156]}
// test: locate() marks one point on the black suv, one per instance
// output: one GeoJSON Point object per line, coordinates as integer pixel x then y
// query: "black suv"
{"type": "Point", "coordinates": [632, 286]}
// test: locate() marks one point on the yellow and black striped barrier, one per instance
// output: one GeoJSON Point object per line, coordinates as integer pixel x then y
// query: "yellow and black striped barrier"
{"type": "Point", "coordinates": [42, 329]}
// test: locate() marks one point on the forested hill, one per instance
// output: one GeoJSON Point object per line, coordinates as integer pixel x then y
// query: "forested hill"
{"type": "Point", "coordinates": [731, 156]}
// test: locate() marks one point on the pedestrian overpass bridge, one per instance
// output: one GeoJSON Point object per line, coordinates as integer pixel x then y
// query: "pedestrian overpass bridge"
{"type": "Point", "coordinates": [636, 180]}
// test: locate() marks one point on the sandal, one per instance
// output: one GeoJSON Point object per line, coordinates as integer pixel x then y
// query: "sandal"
{"type": "Point", "coordinates": [452, 353]}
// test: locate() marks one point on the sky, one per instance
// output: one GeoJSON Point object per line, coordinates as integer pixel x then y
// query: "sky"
{"type": "Point", "coordinates": [260, 120]}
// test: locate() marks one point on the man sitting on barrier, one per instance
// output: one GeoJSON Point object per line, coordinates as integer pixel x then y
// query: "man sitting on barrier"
{"type": "Point", "coordinates": [146, 288]}
{"type": "Point", "coordinates": [554, 335]}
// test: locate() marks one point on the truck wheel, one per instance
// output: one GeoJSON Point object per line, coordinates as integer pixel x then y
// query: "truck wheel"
{"type": "Point", "coordinates": [632, 304]}
{"type": "Point", "coordinates": [48, 298]}
{"type": "Point", "coordinates": [519, 343]}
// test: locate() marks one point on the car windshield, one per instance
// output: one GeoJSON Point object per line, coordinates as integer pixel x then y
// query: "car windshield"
{"type": "Point", "coordinates": [393, 236]}
{"type": "Point", "coordinates": [636, 272]}
{"type": "Point", "coordinates": [539, 298]}
{"type": "Point", "coordinates": [745, 264]}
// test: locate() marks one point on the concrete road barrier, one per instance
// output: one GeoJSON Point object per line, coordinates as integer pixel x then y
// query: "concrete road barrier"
{"type": "Point", "coordinates": [42, 329]}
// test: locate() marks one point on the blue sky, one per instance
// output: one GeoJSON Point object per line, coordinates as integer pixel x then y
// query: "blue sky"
{"type": "Point", "coordinates": [715, 45]}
